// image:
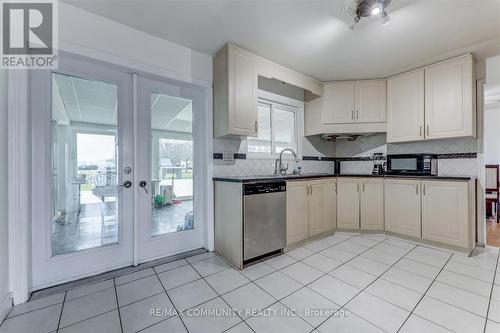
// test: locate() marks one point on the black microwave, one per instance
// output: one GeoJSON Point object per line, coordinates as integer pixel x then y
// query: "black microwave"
{"type": "Point", "coordinates": [412, 164]}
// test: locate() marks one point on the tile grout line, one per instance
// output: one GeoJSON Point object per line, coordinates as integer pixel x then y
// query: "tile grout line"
{"type": "Point", "coordinates": [423, 295]}
{"type": "Point", "coordinates": [363, 289]}
{"type": "Point", "coordinates": [60, 314]}
{"type": "Point", "coordinates": [491, 293]}
{"type": "Point", "coordinates": [118, 306]}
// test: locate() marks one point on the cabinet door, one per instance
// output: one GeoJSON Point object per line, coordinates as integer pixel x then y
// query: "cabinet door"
{"type": "Point", "coordinates": [242, 113]}
{"type": "Point", "coordinates": [296, 211]}
{"type": "Point", "coordinates": [445, 212]}
{"type": "Point", "coordinates": [319, 207]}
{"type": "Point", "coordinates": [348, 203]}
{"type": "Point", "coordinates": [333, 203]}
{"type": "Point", "coordinates": [372, 204]}
{"type": "Point", "coordinates": [370, 101]}
{"type": "Point", "coordinates": [338, 103]}
{"type": "Point", "coordinates": [402, 207]}
{"type": "Point", "coordinates": [449, 107]}
{"type": "Point", "coordinates": [405, 107]}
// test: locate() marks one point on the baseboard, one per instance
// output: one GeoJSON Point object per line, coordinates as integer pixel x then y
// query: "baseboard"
{"type": "Point", "coordinates": [5, 306]}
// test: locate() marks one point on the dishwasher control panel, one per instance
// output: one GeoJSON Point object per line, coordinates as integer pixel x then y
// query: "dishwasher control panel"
{"type": "Point", "coordinates": [260, 188]}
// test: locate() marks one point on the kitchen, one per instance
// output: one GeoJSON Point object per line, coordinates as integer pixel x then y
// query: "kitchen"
{"type": "Point", "coordinates": [302, 166]}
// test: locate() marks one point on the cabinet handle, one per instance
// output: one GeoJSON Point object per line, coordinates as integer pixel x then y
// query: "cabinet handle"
{"type": "Point", "coordinates": [307, 190]}
{"type": "Point", "coordinates": [256, 126]}
{"type": "Point", "coordinates": [420, 132]}
{"type": "Point", "coordinates": [416, 188]}
{"type": "Point", "coordinates": [335, 184]}
{"type": "Point", "coordinates": [423, 190]}
{"type": "Point", "coordinates": [352, 114]}
{"type": "Point", "coordinates": [357, 114]}
{"type": "Point", "coordinates": [428, 130]}
{"type": "Point", "coordinates": [364, 186]}
{"type": "Point", "coordinates": [357, 187]}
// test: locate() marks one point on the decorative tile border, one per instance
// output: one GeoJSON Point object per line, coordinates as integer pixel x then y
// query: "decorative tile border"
{"type": "Point", "coordinates": [238, 156]}
{"type": "Point", "coordinates": [456, 155]}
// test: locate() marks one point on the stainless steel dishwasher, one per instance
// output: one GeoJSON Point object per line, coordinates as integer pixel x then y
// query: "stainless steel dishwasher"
{"type": "Point", "coordinates": [264, 219]}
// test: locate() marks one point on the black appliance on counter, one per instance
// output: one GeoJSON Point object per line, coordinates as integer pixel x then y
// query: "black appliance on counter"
{"type": "Point", "coordinates": [412, 164]}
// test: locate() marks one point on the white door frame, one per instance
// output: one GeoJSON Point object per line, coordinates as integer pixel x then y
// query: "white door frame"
{"type": "Point", "coordinates": [20, 168]}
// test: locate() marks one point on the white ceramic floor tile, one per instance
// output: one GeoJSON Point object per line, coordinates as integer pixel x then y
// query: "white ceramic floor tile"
{"type": "Point", "coordinates": [497, 277]}
{"type": "Point", "coordinates": [170, 325]}
{"type": "Point", "coordinates": [448, 316]}
{"type": "Point", "coordinates": [471, 271]}
{"type": "Point", "coordinates": [381, 256]}
{"type": "Point", "coordinates": [494, 312]}
{"type": "Point", "coordinates": [335, 290]}
{"type": "Point", "coordinates": [364, 241]}
{"type": "Point", "coordinates": [136, 290]}
{"type": "Point", "coordinates": [278, 321]}
{"type": "Point", "coordinates": [108, 322]}
{"type": "Point", "coordinates": [40, 321]}
{"type": "Point", "coordinates": [416, 324]}
{"type": "Point", "coordinates": [348, 323]}
{"type": "Point", "coordinates": [302, 273]}
{"type": "Point", "coordinates": [89, 289]}
{"type": "Point", "coordinates": [337, 254]}
{"type": "Point", "coordinates": [408, 280]}
{"type": "Point", "coordinates": [428, 256]}
{"type": "Point", "coordinates": [138, 315]}
{"type": "Point", "coordinates": [248, 299]}
{"type": "Point", "coordinates": [226, 280]}
{"type": "Point", "coordinates": [210, 266]}
{"type": "Point", "coordinates": [369, 266]}
{"type": "Point", "coordinates": [36, 304]}
{"type": "Point", "coordinates": [240, 328]}
{"type": "Point", "coordinates": [217, 322]}
{"type": "Point", "coordinates": [300, 253]}
{"type": "Point", "coordinates": [317, 245]}
{"type": "Point", "coordinates": [391, 249]}
{"type": "Point", "coordinates": [378, 312]}
{"type": "Point", "coordinates": [321, 262]}
{"type": "Point", "coordinates": [400, 243]}
{"type": "Point", "coordinates": [350, 246]}
{"type": "Point", "coordinates": [395, 294]}
{"type": "Point", "coordinates": [418, 268]}
{"type": "Point", "coordinates": [178, 276]}
{"type": "Point", "coordinates": [258, 270]}
{"type": "Point", "coordinates": [492, 327]}
{"type": "Point", "coordinates": [88, 306]}
{"type": "Point", "coordinates": [310, 306]}
{"type": "Point", "coordinates": [201, 256]}
{"type": "Point", "coordinates": [335, 239]}
{"type": "Point", "coordinates": [134, 276]}
{"type": "Point", "coordinates": [464, 282]}
{"type": "Point", "coordinates": [460, 298]}
{"type": "Point", "coordinates": [353, 276]}
{"type": "Point", "coordinates": [191, 294]}
{"type": "Point", "coordinates": [170, 265]}
{"type": "Point", "coordinates": [278, 285]}
{"type": "Point", "coordinates": [485, 261]}
{"type": "Point", "coordinates": [280, 261]}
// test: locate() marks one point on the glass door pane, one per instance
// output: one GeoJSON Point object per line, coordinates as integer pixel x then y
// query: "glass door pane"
{"type": "Point", "coordinates": [172, 164]}
{"type": "Point", "coordinates": [84, 164]}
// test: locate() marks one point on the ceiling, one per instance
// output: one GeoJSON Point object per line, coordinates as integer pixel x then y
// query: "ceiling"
{"type": "Point", "coordinates": [95, 102]}
{"type": "Point", "coordinates": [313, 37]}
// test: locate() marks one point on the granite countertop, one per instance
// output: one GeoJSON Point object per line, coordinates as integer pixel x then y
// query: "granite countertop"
{"type": "Point", "coordinates": [268, 178]}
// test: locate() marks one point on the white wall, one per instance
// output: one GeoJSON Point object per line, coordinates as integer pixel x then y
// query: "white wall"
{"type": "Point", "coordinates": [4, 254]}
{"type": "Point", "coordinates": [492, 136]}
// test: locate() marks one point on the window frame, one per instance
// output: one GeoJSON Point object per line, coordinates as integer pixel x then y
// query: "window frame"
{"type": "Point", "coordinates": [289, 104]}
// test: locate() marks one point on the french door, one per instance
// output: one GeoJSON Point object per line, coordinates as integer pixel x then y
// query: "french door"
{"type": "Point", "coordinates": [114, 177]}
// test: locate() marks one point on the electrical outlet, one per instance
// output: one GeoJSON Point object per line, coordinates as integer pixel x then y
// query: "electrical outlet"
{"type": "Point", "coordinates": [228, 156]}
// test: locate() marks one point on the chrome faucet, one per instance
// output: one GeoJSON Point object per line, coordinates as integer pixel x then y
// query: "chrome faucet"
{"type": "Point", "coordinates": [279, 169]}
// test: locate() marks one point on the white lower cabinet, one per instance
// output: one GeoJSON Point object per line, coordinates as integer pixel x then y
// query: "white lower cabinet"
{"type": "Point", "coordinates": [445, 212]}
{"type": "Point", "coordinates": [360, 203]}
{"type": "Point", "coordinates": [402, 207]}
{"type": "Point", "coordinates": [309, 208]}
{"type": "Point", "coordinates": [348, 203]}
{"type": "Point", "coordinates": [372, 204]}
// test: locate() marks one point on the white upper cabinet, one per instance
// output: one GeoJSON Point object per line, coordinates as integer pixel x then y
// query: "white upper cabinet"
{"type": "Point", "coordinates": [405, 107]}
{"type": "Point", "coordinates": [370, 101]}
{"type": "Point", "coordinates": [449, 99]}
{"type": "Point", "coordinates": [338, 103]}
{"type": "Point", "coordinates": [235, 93]}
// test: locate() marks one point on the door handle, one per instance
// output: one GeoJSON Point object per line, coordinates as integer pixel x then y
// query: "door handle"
{"type": "Point", "coordinates": [127, 184]}
{"type": "Point", "coordinates": [364, 186]}
{"type": "Point", "coordinates": [420, 132]}
{"type": "Point", "coordinates": [423, 189]}
{"type": "Point", "coordinates": [416, 188]}
{"type": "Point", "coordinates": [256, 126]}
{"type": "Point", "coordinates": [352, 114]}
{"type": "Point", "coordinates": [357, 187]}
{"type": "Point", "coordinates": [357, 114]}
{"type": "Point", "coordinates": [311, 189]}
{"type": "Point", "coordinates": [143, 184]}
{"type": "Point", "coordinates": [428, 130]}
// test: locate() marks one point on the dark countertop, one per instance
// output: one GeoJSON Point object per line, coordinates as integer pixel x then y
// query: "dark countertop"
{"type": "Point", "coordinates": [254, 179]}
